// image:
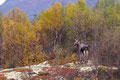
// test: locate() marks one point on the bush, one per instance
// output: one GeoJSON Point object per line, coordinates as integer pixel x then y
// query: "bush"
{"type": "Point", "coordinates": [43, 73]}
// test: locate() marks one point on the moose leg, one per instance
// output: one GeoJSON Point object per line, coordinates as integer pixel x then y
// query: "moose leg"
{"type": "Point", "coordinates": [87, 54]}
{"type": "Point", "coordinates": [84, 53]}
{"type": "Point", "coordinates": [83, 56]}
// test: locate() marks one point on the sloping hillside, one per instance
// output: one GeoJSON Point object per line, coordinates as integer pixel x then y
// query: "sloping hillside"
{"type": "Point", "coordinates": [34, 6]}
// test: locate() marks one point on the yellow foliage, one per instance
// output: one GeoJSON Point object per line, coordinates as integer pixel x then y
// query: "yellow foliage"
{"type": "Point", "coordinates": [70, 12]}
{"type": "Point", "coordinates": [74, 58]}
{"type": "Point", "coordinates": [51, 18]}
{"type": "Point", "coordinates": [71, 9]}
{"type": "Point", "coordinates": [19, 41]}
{"type": "Point", "coordinates": [30, 59]}
{"type": "Point", "coordinates": [81, 4]}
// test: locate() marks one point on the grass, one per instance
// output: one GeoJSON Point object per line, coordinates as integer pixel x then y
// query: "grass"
{"type": "Point", "coordinates": [23, 70]}
{"type": "Point", "coordinates": [7, 71]}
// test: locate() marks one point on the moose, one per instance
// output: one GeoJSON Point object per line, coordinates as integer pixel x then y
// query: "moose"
{"type": "Point", "coordinates": [82, 47]}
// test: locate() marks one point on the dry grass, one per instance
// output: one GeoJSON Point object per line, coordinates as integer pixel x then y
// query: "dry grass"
{"type": "Point", "coordinates": [7, 71]}
{"type": "Point", "coordinates": [60, 61]}
{"type": "Point", "coordinates": [23, 70]}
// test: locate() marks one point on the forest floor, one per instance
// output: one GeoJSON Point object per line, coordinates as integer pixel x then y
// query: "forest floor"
{"type": "Point", "coordinates": [68, 71]}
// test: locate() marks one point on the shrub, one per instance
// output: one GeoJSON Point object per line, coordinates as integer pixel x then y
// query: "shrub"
{"type": "Point", "coordinates": [2, 77]}
{"type": "Point", "coordinates": [64, 72]}
{"type": "Point", "coordinates": [43, 73]}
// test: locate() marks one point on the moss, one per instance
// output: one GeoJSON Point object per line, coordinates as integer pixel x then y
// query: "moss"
{"type": "Point", "coordinates": [43, 73]}
{"type": "Point", "coordinates": [116, 74]}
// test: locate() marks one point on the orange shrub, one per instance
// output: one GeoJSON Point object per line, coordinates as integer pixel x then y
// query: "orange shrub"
{"type": "Point", "coordinates": [2, 77]}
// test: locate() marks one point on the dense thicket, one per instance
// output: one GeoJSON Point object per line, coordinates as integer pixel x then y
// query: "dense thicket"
{"type": "Point", "coordinates": [52, 32]}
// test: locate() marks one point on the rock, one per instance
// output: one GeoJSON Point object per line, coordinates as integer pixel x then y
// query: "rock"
{"type": "Point", "coordinates": [77, 63]}
{"type": "Point", "coordinates": [12, 79]}
{"type": "Point", "coordinates": [85, 69]}
{"type": "Point", "coordinates": [60, 78]}
{"type": "Point", "coordinates": [14, 75]}
{"type": "Point", "coordinates": [46, 62]}
{"type": "Point", "coordinates": [90, 63]}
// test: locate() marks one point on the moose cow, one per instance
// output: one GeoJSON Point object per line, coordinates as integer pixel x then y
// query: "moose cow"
{"type": "Point", "coordinates": [82, 47]}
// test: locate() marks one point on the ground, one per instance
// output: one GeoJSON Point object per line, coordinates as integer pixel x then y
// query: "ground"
{"type": "Point", "coordinates": [44, 71]}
